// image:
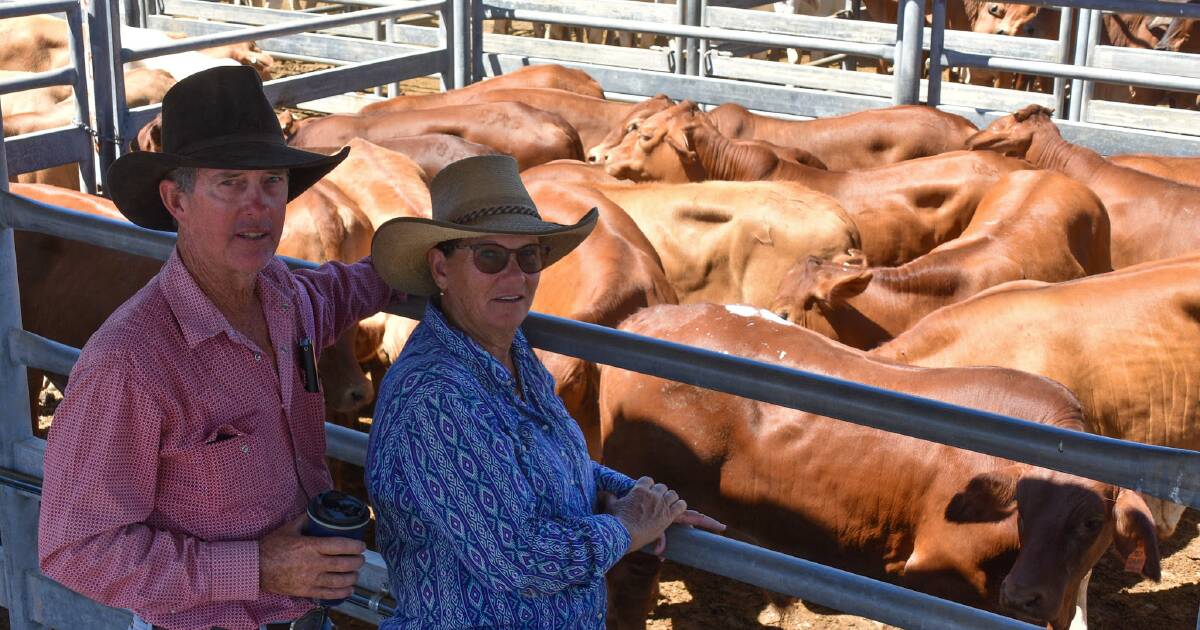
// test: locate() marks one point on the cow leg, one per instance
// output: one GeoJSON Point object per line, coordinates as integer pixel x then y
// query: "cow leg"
{"type": "Point", "coordinates": [632, 590]}
{"type": "Point", "coordinates": [1079, 621]}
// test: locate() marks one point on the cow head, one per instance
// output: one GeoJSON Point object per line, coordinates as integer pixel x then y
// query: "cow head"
{"type": "Point", "coordinates": [814, 290]}
{"type": "Point", "coordinates": [347, 389]}
{"type": "Point", "coordinates": [1019, 20]}
{"type": "Point", "coordinates": [660, 149]}
{"type": "Point", "coordinates": [633, 119]}
{"type": "Point", "coordinates": [1174, 34]}
{"type": "Point", "coordinates": [1015, 134]}
{"type": "Point", "coordinates": [1064, 524]}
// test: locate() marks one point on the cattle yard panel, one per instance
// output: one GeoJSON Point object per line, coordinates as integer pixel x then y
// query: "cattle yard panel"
{"type": "Point", "coordinates": [54, 147]}
{"type": "Point", "coordinates": [397, 62]}
{"type": "Point", "coordinates": [1161, 471]}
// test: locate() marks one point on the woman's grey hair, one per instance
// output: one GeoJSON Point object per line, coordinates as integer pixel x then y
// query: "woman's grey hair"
{"type": "Point", "coordinates": [184, 177]}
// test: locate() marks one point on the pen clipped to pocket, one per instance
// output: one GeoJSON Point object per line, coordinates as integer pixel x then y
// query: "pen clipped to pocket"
{"type": "Point", "coordinates": [308, 365]}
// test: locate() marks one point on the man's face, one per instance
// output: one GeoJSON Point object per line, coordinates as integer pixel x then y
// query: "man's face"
{"type": "Point", "coordinates": [231, 220]}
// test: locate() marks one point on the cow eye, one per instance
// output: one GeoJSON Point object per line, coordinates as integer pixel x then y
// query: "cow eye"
{"type": "Point", "coordinates": [996, 10]}
{"type": "Point", "coordinates": [1092, 525]}
{"type": "Point", "coordinates": [632, 127]}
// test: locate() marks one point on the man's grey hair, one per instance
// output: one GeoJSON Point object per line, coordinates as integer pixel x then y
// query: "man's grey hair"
{"type": "Point", "coordinates": [184, 177]}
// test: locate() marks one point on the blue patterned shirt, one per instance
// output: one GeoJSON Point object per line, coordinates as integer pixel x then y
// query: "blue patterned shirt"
{"type": "Point", "coordinates": [484, 501]}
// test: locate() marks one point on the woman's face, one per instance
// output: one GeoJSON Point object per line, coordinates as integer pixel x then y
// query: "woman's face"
{"type": "Point", "coordinates": [486, 306]}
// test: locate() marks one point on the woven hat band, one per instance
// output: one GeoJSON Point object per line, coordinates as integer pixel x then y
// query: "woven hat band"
{"type": "Point", "coordinates": [472, 216]}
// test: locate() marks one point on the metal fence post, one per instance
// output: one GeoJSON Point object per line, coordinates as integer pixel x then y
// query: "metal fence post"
{"type": "Point", "coordinates": [471, 32]}
{"type": "Point", "coordinates": [694, 13]}
{"type": "Point", "coordinates": [937, 37]}
{"type": "Point", "coordinates": [906, 80]}
{"type": "Point", "coordinates": [87, 168]}
{"type": "Point", "coordinates": [18, 513]}
{"type": "Point", "coordinates": [702, 55]}
{"type": "Point", "coordinates": [1080, 55]}
{"type": "Point", "coordinates": [1093, 39]}
{"type": "Point", "coordinates": [1066, 15]}
{"type": "Point", "coordinates": [677, 43]}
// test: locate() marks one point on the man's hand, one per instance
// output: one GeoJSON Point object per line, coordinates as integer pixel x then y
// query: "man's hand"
{"type": "Point", "coordinates": [306, 566]}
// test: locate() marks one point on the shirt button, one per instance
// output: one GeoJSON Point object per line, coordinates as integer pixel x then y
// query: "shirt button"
{"type": "Point", "coordinates": [257, 357]}
{"type": "Point", "coordinates": [245, 448]}
{"type": "Point", "coordinates": [545, 427]}
{"type": "Point", "coordinates": [286, 306]}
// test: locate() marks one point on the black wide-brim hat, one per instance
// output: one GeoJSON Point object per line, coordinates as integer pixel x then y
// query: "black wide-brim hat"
{"type": "Point", "coordinates": [217, 118]}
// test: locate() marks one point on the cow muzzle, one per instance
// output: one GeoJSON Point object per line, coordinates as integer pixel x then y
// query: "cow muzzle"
{"type": "Point", "coordinates": [1029, 603]}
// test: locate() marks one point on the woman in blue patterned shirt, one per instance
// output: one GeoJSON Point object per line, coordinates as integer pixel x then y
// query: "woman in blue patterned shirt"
{"type": "Point", "coordinates": [485, 496]}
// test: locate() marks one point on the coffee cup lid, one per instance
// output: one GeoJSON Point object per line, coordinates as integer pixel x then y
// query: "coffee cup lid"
{"type": "Point", "coordinates": [337, 509]}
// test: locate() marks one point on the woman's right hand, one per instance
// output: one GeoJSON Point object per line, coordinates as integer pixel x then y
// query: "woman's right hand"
{"type": "Point", "coordinates": [646, 511]}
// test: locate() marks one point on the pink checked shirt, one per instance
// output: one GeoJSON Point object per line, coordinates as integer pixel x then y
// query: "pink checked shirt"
{"type": "Point", "coordinates": [177, 446]}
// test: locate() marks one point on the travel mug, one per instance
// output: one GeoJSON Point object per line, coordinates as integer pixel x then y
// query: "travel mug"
{"type": "Point", "coordinates": [334, 513]}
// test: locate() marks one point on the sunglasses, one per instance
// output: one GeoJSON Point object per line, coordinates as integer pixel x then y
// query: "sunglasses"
{"type": "Point", "coordinates": [492, 258]}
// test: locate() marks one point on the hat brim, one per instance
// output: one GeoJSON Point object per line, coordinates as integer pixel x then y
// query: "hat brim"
{"type": "Point", "coordinates": [400, 245]}
{"type": "Point", "coordinates": [134, 177]}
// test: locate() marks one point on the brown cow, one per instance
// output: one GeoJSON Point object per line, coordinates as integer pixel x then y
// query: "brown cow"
{"type": "Point", "coordinates": [1151, 218]}
{"type": "Point", "coordinates": [590, 116]}
{"type": "Point", "coordinates": [928, 516]}
{"type": "Point", "coordinates": [1037, 225]}
{"type": "Point", "coordinates": [732, 242]}
{"type": "Point", "coordinates": [431, 151]}
{"type": "Point", "coordinates": [902, 210]}
{"type": "Point", "coordinates": [633, 117]}
{"type": "Point", "coordinates": [539, 76]}
{"type": "Point", "coordinates": [1182, 170]}
{"type": "Point", "coordinates": [530, 135]}
{"type": "Point", "coordinates": [1125, 342]}
{"type": "Point", "coordinates": [854, 141]}
{"type": "Point", "coordinates": [612, 274]}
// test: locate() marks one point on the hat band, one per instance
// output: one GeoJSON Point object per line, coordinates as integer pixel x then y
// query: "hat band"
{"type": "Point", "coordinates": [238, 138]}
{"type": "Point", "coordinates": [472, 216]}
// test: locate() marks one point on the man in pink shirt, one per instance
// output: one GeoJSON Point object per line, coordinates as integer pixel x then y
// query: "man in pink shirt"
{"type": "Point", "coordinates": [189, 442]}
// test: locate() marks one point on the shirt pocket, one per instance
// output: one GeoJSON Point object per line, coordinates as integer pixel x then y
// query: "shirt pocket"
{"type": "Point", "coordinates": [226, 476]}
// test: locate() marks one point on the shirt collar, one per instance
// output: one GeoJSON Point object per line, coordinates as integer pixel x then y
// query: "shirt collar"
{"type": "Point", "coordinates": [198, 318]}
{"type": "Point", "coordinates": [482, 363]}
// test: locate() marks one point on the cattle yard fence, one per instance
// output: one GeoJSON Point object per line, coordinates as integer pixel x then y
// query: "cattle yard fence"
{"type": "Point", "coordinates": [693, 67]}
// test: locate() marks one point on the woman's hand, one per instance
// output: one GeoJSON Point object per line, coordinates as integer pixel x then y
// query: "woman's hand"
{"type": "Point", "coordinates": [649, 508]}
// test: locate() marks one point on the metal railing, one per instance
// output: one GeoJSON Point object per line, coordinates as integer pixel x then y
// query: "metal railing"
{"type": "Point", "coordinates": [55, 147]}
{"type": "Point", "coordinates": [117, 124]}
{"type": "Point", "coordinates": [1164, 472]}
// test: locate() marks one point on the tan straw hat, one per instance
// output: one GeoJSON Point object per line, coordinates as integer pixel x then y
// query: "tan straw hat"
{"type": "Point", "coordinates": [473, 197]}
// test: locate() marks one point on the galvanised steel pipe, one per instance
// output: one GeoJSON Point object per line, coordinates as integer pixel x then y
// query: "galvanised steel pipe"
{"type": "Point", "coordinates": [906, 81]}
{"type": "Point", "coordinates": [25, 9]}
{"type": "Point", "coordinates": [460, 42]}
{"type": "Point", "coordinates": [879, 51]}
{"type": "Point", "coordinates": [49, 78]}
{"type": "Point", "coordinates": [1080, 57]}
{"type": "Point", "coordinates": [1064, 57]}
{"type": "Point", "coordinates": [36, 351]}
{"type": "Point", "coordinates": [1169, 473]}
{"type": "Point", "coordinates": [937, 41]}
{"type": "Point", "coordinates": [280, 30]}
{"type": "Point", "coordinates": [845, 591]}
{"type": "Point", "coordinates": [1084, 73]}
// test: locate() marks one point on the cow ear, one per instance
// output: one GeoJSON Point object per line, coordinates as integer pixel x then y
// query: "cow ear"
{"type": "Point", "coordinates": [1135, 538]}
{"type": "Point", "coordinates": [988, 497]}
{"type": "Point", "coordinates": [680, 139]}
{"type": "Point", "coordinates": [842, 284]}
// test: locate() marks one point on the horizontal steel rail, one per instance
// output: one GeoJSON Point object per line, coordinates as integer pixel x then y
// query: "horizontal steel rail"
{"type": "Point", "coordinates": [879, 51]}
{"type": "Point", "coordinates": [1169, 473]}
{"type": "Point", "coordinates": [1089, 73]}
{"type": "Point", "coordinates": [290, 28]}
{"type": "Point", "coordinates": [25, 9]}
{"type": "Point", "coordinates": [49, 78]}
